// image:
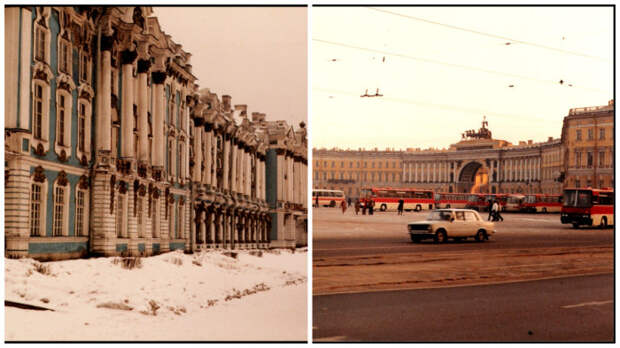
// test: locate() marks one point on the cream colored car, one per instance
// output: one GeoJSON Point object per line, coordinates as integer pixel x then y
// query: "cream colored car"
{"type": "Point", "coordinates": [458, 224]}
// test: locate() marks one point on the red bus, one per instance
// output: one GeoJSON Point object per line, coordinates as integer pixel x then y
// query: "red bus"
{"type": "Point", "coordinates": [451, 200]}
{"type": "Point", "coordinates": [588, 206]}
{"type": "Point", "coordinates": [514, 203]}
{"type": "Point", "coordinates": [386, 198]}
{"type": "Point", "coordinates": [476, 201]}
{"type": "Point", "coordinates": [542, 203]}
{"type": "Point", "coordinates": [327, 198]}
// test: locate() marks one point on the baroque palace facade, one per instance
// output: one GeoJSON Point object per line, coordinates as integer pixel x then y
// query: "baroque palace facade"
{"type": "Point", "coordinates": [110, 146]}
{"type": "Point", "coordinates": [583, 156]}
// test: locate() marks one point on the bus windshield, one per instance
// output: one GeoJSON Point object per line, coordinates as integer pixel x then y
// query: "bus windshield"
{"type": "Point", "coordinates": [439, 216]}
{"type": "Point", "coordinates": [578, 198]}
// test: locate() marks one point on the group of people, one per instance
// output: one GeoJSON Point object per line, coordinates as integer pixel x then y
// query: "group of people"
{"type": "Point", "coordinates": [363, 206]}
{"type": "Point", "coordinates": [494, 214]}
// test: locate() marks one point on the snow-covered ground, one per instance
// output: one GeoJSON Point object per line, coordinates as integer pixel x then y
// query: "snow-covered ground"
{"type": "Point", "coordinates": [201, 297]}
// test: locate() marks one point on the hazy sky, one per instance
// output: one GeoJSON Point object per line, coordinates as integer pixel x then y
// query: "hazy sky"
{"type": "Point", "coordinates": [257, 55]}
{"type": "Point", "coordinates": [440, 78]}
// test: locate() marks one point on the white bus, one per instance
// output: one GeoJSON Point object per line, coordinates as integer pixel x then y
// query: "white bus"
{"type": "Point", "coordinates": [327, 198]}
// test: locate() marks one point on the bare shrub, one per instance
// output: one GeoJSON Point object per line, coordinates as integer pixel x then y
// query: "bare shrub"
{"type": "Point", "coordinates": [177, 310]}
{"type": "Point", "coordinates": [197, 263]}
{"type": "Point", "coordinates": [257, 253]}
{"type": "Point", "coordinates": [45, 300]}
{"type": "Point", "coordinates": [115, 305]}
{"type": "Point", "coordinates": [176, 261]}
{"type": "Point", "coordinates": [153, 307]}
{"type": "Point", "coordinates": [128, 262]}
{"type": "Point", "coordinates": [231, 254]}
{"type": "Point", "coordinates": [43, 269]}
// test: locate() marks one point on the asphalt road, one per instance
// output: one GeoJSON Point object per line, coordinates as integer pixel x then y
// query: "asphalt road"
{"type": "Point", "coordinates": [337, 234]}
{"type": "Point", "coordinates": [573, 309]}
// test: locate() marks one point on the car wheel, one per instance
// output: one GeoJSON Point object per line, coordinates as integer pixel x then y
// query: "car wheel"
{"type": "Point", "coordinates": [480, 236]}
{"type": "Point", "coordinates": [603, 222]}
{"type": "Point", "coordinates": [575, 225]}
{"type": "Point", "coordinates": [418, 207]}
{"type": "Point", "coordinates": [383, 207]}
{"type": "Point", "coordinates": [415, 239]}
{"type": "Point", "coordinates": [440, 236]}
{"type": "Point", "coordinates": [544, 210]}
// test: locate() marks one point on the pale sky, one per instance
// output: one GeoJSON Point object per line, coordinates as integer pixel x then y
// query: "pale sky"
{"type": "Point", "coordinates": [439, 81]}
{"type": "Point", "coordinates": [257, 55]}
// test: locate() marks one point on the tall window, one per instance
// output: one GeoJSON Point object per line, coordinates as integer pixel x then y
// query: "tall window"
{"type": "Point", "coordinates": [601, 159]}
{"type": "Point", "coordinates": [61, 120]}
{"type": "Point", "coordinates": [84, 67]}
{"type": "Point", "coordinates": [139, 216]}
{"type": "Point", "coordinates": [601, 133]}
{"type": "Point", "coordinates": [64, 57]}
{"type": "Point", "coordinates": [59, 204]}
{"type": "Point", "coordinates": [590, 159]}
{"type": "Point", "coordinates": [169, 157]}
{"type": "Point", "coordinates": [119, 216]}
{"type": "Point", "coordinates": [170, 220]}
{"type": "Point", "coordinates": [79, 213]}
{"type": "Point", "coordinates": [35, 210]}
{"type": "Point", "coordinates": [38, 112]}
{"type": "Point", "coordinates": [82, 128]}
{"type": "Point", "coordinates": [577, 159]}
{"type": "Point", "coordinates": [578, 134]}
{"type": "Point", "coordinates": [590, 134]}
{"type": "Point", "coordinates": [179, 221]}
{"type": "Point", "coordinates": [40, 44]}
{"type": "Point", "coordinates": [155, 217]}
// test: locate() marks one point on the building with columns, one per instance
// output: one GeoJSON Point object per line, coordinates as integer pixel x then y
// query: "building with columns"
{"type": "Point", "coordinates": [111, 147]}
{"type": "Point", "coordinates": [476, 163]}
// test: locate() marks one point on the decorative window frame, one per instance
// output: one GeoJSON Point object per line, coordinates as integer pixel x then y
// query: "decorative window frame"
{"type": "Point", "coordinates": [140, 216]}
{"type": "Point", "coordinates": [85, 221]}
{"type": "Point", "coordinates": [84, 68]}
{"type": "Point", "coordinates": [66, 143]}
{"type": "Point", "coordinates": [41, 22]}
{"type": "Point", "coordinates": [122, 197]}
{"type": "Point", "coordinates": [85, 95]}
{"type": "Point", "coordinates": [41, 145]}
{"type": "Point", "coordinates": [171, 206]}
{"type": "Point", "coordinates": [180, 221]}
{"type": "Point", "coordinates": [155, 218]}
{"type": "Point", "coordinates": [64, 43]}
{"type": "Point", "coordinates": [38, 177]}
{"type": "Point", "coordinates": [61, 181]}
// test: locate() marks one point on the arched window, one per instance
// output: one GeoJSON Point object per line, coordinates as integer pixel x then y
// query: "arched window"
{"type": "Point", "coordinates": [140, 216]}
{"type": "Point", "coordinates": [37, 123]}
{"type": "Point", "coordinates": [36, 200]}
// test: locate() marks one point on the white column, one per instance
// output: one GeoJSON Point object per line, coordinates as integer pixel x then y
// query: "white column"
{"type": "Point", "coordinates": [197, 154]}
{"type": "Point", "coordinates": [227, 146]}
{"type": "Point", "coordinates": [103, 103]}
{"type": "Point", "coordinates": [24, 114]}
{"type": "Point", "coordinates": [143, 125]}
{"type": "Point", "coordinates": [209, 161]}
{"type": "Point", "coordinates": [158, 124]}
{"type": "Point", "coordinates": [127, 112]}
{"type": "Point", "coordinates": [235, 155]}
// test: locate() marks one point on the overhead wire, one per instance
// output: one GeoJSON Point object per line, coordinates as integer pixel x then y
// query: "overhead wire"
{"type": "Point", "coordinates": [433, 61]}
{"type": "Point", "coordinates": [505, 38]}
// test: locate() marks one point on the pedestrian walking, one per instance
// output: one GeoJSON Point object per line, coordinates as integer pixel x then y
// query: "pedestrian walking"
{"type": "Point", "coordinates": [496, 215]}
{"type": "Point", "coordinates": [349, 202]}
{"type": "Point", "coordinates": [401, 204]}
{"type": "Point", "coordinates": [364, 206]}
{"type": "Point", "coordinates": [357, 206]}
{"type": "Point", "coordinates": [343, 205]}
{"type": "Point", "coordinates": [316, 201]}
{"type": "Point", "coordinates": [490, 207]}
{"type": "Point", "coordinates": [371, 207]}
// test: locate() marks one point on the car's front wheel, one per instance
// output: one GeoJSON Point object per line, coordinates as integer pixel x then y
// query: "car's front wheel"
{"type": "Point", "coordinates": [415, 239]}
{"type": "Point", "coordinates": [440, 237]}
{"type": "Point", "coordinates": [383, 207]}
{"type": "Point", "coordinates": [481, 236]}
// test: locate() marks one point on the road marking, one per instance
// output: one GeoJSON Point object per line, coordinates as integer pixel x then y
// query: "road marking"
{"type": "Point", "coordinates": [330, 339]}
{"type": "Point", "coordinates": [593, 303]}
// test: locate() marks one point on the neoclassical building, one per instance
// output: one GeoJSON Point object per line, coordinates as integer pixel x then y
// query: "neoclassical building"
{"type": "Point", "coordinates": [111, 147]}
{"type": "Point", "coordinates": [480, 163]}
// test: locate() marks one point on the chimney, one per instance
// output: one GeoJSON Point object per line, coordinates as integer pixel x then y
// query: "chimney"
{"type": "Point", "coordinates": [258, 117]}
{"type": "Point", "coordinates": [243, 108]}
{"type": "Point", "coordinates": [226, 102]}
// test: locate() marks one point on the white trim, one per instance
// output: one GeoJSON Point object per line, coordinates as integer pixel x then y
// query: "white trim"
{"type": "Point", "coordinates": [86, 213]}
{"type": "Point", "coordinates": [65, 208]}
{"type": "Point", "coordinates": [87, 128]}
{"type": "Point", "coordinates": [42, 209]}
{"type": "Point", "coordinates": [45, 114]}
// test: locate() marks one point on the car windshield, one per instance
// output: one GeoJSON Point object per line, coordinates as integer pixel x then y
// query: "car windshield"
{"type": "Point", "coordinates": [439, 216]}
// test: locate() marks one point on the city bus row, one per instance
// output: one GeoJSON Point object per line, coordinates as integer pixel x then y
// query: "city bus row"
{"type": "Point", "coordinates": [578, 206]}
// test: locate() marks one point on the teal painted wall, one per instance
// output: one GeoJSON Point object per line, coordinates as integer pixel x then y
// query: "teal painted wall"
{"type": "Point", "coordinates": [121, 248]}
{"type": "Point", "coordinates": [273, 233]}
{"type": "Point", "coordinates": [60, 247]}
{"type": "Point", "coordinates": [271, 177]}
{"type": "Point", "coordinates": [141, 247]}
{"type": "Point", "coordinates": [51, 178]}
{"type": "Point", "coordinates": [175, 246]}
{"type": "Point", "coordinates": [156, 248]}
